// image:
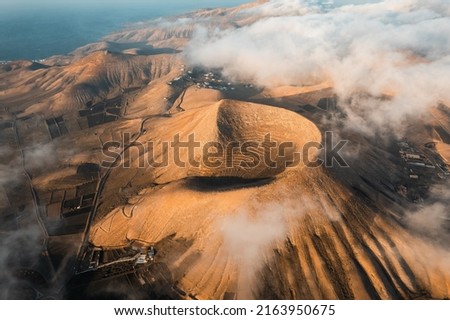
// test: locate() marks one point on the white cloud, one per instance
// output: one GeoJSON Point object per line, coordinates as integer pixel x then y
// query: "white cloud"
{"type": "Point", "coordinates": [433, 218]}
{"type": "Point", "coordinates": [286, 7]}
{"type": "Point", "coordinates": [248, 238]}
{"type": "Point", "coordinates": [392, 47]}
{"type": "Point", "coordinates": [250, 233]}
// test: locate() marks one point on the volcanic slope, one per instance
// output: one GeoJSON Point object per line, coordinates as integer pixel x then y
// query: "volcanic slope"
{"type": "Point", "coordinates": [300, 234]}
{"type": "Point", "coordinates": [294, 232]}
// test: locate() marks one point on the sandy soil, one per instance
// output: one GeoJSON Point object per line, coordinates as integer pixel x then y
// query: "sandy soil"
{"type": "Point", "coordinates": [285, 233]}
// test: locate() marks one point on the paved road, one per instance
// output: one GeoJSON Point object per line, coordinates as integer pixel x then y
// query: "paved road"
{"type": "Point", "coordinates": [100, 187]}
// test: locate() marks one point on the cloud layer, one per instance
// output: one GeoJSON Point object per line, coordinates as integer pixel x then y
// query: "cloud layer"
{"type": "Point", "coordinates": [395, 48]}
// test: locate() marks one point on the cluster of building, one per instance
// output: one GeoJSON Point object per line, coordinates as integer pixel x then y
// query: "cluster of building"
{"type": "Point", "coordinates": [133, 256]}
{"type": "Point", "coordinates": [212, 81]}
{"type": "Point", "coordinates": [414, 159]}
{"type": "Point", "coordinates": [423, 166]}
{"type": "Point", "coordinates": [203, 79]}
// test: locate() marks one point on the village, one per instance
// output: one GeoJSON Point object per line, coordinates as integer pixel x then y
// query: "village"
{"type": "Point", "coordinates": [422, 167]}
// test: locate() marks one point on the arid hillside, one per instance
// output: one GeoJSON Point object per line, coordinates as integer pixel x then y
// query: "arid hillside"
{"type": "Point", "coordinates": [127, 172]}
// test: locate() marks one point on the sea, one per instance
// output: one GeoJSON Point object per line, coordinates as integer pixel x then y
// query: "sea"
{"type": "Point", "coordinates": [36, 30]}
